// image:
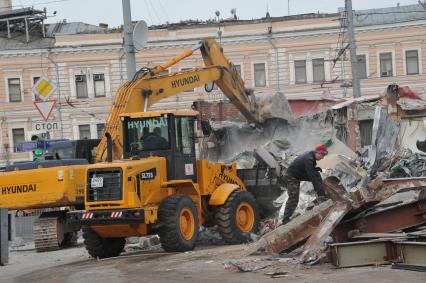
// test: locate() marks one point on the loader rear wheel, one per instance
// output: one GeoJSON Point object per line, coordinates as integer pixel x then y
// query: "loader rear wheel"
{"type": "Point", "coordinates": [178, 219]}
{"type": "Point", "coordinates": [238, 217]}
{"type": "Point", "coordinates": [99, 247]}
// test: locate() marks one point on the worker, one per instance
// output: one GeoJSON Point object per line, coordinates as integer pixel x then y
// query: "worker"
{"type": "Point", "coordinates": [303, 168]}
{"type": "Point", "coordinates": [155, 140]}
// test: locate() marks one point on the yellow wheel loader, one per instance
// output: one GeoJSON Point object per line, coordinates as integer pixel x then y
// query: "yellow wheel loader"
{"type": "Point", "coordinates": [160, 188]}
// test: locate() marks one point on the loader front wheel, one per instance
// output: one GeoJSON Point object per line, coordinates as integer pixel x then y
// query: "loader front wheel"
{"type": "Point", "coordinates": [99, 247]}
{"type": "Point", "coordinates": [178, 219]}
{"type": "Point", "coordinates": [238, 218]}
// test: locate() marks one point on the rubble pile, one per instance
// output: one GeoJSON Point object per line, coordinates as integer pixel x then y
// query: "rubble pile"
{"type": "Point", "coordinates": [376, 214]}
{"type": "Point", "coordinates": [413, 166]}
{"type": "Point", "coordinates": [377, 208]}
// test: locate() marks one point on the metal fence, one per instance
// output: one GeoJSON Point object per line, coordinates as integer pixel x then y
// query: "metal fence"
{"type": "Point", "coordinates": [24, 221]}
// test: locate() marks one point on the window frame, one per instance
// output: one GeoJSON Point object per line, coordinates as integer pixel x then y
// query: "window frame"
{"type": "Point", "coordinates": [94, 84]}
{"type": "Point", "coordinates": [79, 130]}
{"type": "Point", "coordinates": [14, 145]}
{"type": "Point", "coordinates": [379, 69]}
{"type": "Point", "coordinates": [34, 96]}
{"type": "Point", "coordinates": [418, 51]}
{"type": "Point", "coordinates": [100, 131]}
{"type": "Point", "coordinates": [241, 68]}
{"type": "Point", "coordinates": [254, 74]}
{"type": "Point", "coordinates": [76, 88]}
{"type": "Point", "coordinates": [295, 72]}
{"type": "Point", "coordinates": [366, 66]}
{"type": "Point", "coordinates": [21, 96]}
{"type": "Point", "coordinates": [323, 70]}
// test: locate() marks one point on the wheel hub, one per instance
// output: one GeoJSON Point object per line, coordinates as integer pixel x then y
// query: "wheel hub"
{"type": "Point", "coordinates": [186, 224]}
{"type": "Point", "coordinates": [245, 217]}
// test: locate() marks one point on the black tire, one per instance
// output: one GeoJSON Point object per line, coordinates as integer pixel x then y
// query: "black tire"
{"type": "Point", "coordinates": [171, 236]}
{"type": "Point", "coordinates": [226, 218]}
{"type": "Point", "coordinates": [99, 247]}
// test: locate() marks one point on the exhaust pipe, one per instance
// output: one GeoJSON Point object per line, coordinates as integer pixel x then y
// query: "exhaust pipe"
{"type": "Point", "coordinates": [109, 147]}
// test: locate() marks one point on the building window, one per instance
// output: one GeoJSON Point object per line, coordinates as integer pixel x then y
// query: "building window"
{"type": "Point", "coordinates": [14, 89]}
{"type": "Point", "coordinates": [412, 62]}
{"type": "Point", "coordinates": [99, 83]}
{"type": "Point", "coordinates": [361, 66]}
{"type": "Point", "coordinates": [366, 132]}
{"type": "Point", "coordinates": [99, 130]}
{"type": "Point", "coordinates": [386, 64]}
{"type": "Point", "coordinates": [164, 72]}
{"type": "Point", "coordinates": [36, 96]}
{"type": "Point", "coordinates": [300, 71]}
{"type": "Point", "coordinates": [18, 136]}
{"type": "Point", "coordinates": [318, 69]}
{"type": "Point", "coordinates": [188, 69]}
{"type": "Point", "coordinates": [81, 86]}
{"type": "Point", "coordinates": [238, 68]}
{"type": "Point", "coordinates": [259, 74]}
{"type": "Point", "coordinates": [84, 132]}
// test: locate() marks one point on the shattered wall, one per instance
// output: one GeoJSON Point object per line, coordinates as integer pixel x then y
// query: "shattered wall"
{"type": "Point", "coordinates": [411, 131]}
{"type": "Point", "coordinates": [234, 140]}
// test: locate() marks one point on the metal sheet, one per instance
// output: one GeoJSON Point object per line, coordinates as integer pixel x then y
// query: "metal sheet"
{"type": "Point", "coordinates": [316, 240]}
{"type": "Point", "coordinates": [413, 253]}
{"type": "Point", "coordinates": [362, 253]}
{"type": "Point", "coordinates": [383, 221]}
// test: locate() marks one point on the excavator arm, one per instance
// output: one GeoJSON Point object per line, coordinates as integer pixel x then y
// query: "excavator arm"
{"type": "Point", "coordinates": [148, 87]}
{"type": "Point", "coordinates": [231, 83]}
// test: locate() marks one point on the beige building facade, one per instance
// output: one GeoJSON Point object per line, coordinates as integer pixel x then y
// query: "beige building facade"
{"type": "Point", "coordinates": [297, 55]}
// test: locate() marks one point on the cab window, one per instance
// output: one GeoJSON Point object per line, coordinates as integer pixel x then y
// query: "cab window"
{"type": "Point", "coordinates": [185, 134]}
{"type": "Point", "coordinates": [148, 134]}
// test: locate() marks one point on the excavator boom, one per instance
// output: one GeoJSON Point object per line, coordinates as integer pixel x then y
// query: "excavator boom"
{"type": "Point", "coordinates": [148, 87]}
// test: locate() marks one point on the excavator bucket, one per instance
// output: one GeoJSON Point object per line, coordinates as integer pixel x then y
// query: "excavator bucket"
{"type": "Point", "coordinates": [273, 106]}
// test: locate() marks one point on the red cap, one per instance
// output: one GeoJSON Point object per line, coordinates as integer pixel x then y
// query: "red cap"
{"type": "Point", "coordinates": [321, 149]}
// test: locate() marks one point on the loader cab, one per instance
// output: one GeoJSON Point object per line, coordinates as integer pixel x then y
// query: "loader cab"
{"type": "Point", "coordinates": [169, 134]}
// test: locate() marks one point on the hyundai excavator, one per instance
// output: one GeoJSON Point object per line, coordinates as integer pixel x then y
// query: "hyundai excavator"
{"type": "Point", "coordinates": [150, 181]}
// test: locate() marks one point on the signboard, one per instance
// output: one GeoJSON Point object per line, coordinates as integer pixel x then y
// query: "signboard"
{"type": "Point", "coordinates": [44, 88]}
{"type": "Point", "coordinates": [45, 108]}
{"type": "Point", "coordinates": [41, 126]}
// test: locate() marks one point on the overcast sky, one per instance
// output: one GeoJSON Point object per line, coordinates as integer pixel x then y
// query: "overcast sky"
{"type": "Point", "coordinates": [162, 11]}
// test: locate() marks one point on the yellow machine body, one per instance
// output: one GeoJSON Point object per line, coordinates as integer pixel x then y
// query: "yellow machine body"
{"type": "Point", "coordinates": [43, 187]}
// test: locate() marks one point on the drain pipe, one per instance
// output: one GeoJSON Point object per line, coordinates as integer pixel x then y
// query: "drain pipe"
{"type": "Point", "coordinates": [277, 73]}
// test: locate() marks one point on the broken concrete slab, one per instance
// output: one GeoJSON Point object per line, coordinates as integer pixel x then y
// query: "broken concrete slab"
{"type": "Point", "coordinates": [287, 236]}
{"type": "Point", "coordinates": [262, 155]}
{"type": "Point", "coordinates": [251, 266]}
{"type": "Point", "coordinates": [273, 106]}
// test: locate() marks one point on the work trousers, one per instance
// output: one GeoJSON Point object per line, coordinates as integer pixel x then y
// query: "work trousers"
{"type": "Point", "coordinates": [293, 190]}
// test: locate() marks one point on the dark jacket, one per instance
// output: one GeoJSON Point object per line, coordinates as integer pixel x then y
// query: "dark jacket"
{"type": "Point", "coordinates": [303, 168]}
